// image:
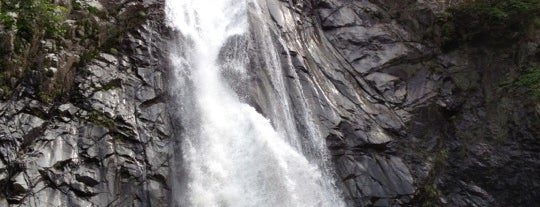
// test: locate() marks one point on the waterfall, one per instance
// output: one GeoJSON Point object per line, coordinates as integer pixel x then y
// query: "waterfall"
{"type": "Point", "coordinates": [231, 154]}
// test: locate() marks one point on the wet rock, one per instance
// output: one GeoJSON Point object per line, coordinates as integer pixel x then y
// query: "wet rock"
{"type": "Point", "coordinates": [356, 124]}
{"type": "Point", "coordinates": [146, 93]}
{"type": "Point", "coordinates": [340, 17]}
{"type": "Point", "coordinates": [57, 150]}
{"type": "Point", "coordinates": [75, 151]}
{"type": "Point", "coordinates": [68, 109]}
{"type": "Point", "coordinates": [19, 187]}
{"type": "Point", "coordinates": [397, 113]}
{"type": "Point", "coordinates": [3, 171]}
{"type": "Point", "coordinates": [397, 80]}
{"type": "Point", "coordinates": [382, 81]}
{"type": "Point", "coordinates": [87, 177]}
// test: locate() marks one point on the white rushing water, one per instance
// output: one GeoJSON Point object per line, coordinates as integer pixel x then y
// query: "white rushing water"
{"type": "Point", "coordinates": [232, 155]}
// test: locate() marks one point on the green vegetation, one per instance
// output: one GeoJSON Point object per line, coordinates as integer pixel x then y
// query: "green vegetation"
{"type": "Point", "coordinates": [101, 119]}
{"type": "Point", "coordinates": [5, 90]}
{"type": "Point", "coordinates": [495, 23]}
{"type": "Point", "coordinates": [491, 21]}
{"type": "Point", "coordinates": [23, 24]}
{"type": "Point", "coordinates": [430, 193]}
{"type": "Point", "coordinates": [45, 98]}
{"type": "Point", "coordinates": [29, 17]}
{"type": "Point", "coordinates": [30, 29]}
{"type": "Point", "coordinates": [527, 84]}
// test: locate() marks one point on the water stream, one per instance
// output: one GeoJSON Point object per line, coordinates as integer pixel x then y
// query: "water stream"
{"type": "Point", "coordinates": [232, 156]}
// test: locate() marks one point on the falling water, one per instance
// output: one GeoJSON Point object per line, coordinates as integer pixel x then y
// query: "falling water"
{"type": "Point", "coordinates": [231, 154]}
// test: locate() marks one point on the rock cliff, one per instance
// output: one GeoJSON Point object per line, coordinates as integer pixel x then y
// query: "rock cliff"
{"type": "Point", "coordinates": [466, 140]}
{"type": "Point", "coordinates": [88, 126]}
{"type": "Point", "coordinates": [88, 120]}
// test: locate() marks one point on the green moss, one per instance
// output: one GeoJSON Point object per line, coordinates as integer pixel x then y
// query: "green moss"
{"type": "Point", "coordinates": [7, 19]}
{"type": "Point", "coordinates": [466, 80]}
{"type": "Point", "coordinates": [89, 55]}
{"type": "Point", "coordinates": [5, 91]}
{"type": "Point", "coordinates": [101, 119]}
{"type": "Point", "coordinates": [112, 42]}
{"type": "Point", "coordinates": [96, 12]}
{"type": "Point", "coordinates": [76, 5]}
{"type": "Point", "coordinates": [45, 98]}
{"type": "Point", "coordinates": [142, 14]}
{"type": "Point", "coordinates": [93, 10]}
{"type": "Point", "coordinates": [113, 51]}
{"type": "Point", "coordinates": [440, 160]}
{"type": "Point", "coordinates": [536, 22]}
{"type": "Point", "coordinates": [5, 88]}
{"type": "Point", "coordinates": [527, 83]}
{"type": "Point", "coordinates": [3, 77]}
{"type": "Point", "coordinates": [430, 193]}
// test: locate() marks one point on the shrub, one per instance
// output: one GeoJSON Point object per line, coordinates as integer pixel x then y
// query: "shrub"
{"type": "Point", "coordinates": [27, 22]}
{"type": "Point", "coordinates": [30, 17]}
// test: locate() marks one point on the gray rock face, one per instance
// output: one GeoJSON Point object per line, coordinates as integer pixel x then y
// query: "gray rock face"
{"type": "Point", "coordinates": [354, 121]}
{"type": "Point", "coordinates": [405, 123]}
{"type": "Point", "coordinates": [108, 143]}
{"type": "Point", "coordinates": [452, 104]}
